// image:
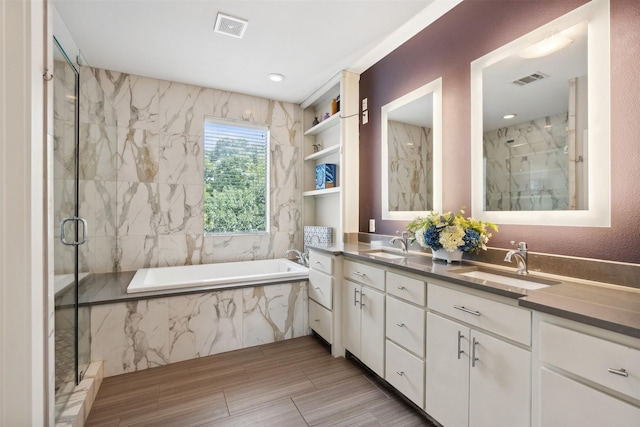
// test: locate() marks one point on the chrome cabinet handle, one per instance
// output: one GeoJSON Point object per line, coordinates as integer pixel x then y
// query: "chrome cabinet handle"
{"type": "Point", "coordinates": [460, 350]}
{"type": "Point", "coordinates": [622, 372]}
{"type": "Point", "coordinates": [316, 320]}
{"type": "Point", "coordinates": [401, 373]}
{"type": "Point", "coordinates": [362, 295]}
{"type": "Point", "coordinates": [355, 300]}
{"type": "Point", "coordinates": [466, 310]}
{"type": "Point", "coordinates": [357, 273]}
{"type": "Point", "coordinates": [400, 324]}
{"type": "Point", "coordinates": [401, 288]}
{"type": "Point", "coordinates": [473, 353]}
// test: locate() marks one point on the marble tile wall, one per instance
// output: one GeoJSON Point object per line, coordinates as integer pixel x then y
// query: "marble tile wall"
{"type": "Point", "coordinates": [158, 213]}
{"type": "Point", "coordinates": [531, 172]}
{"type": "Point", "coordinates": [410, 167]}
{"type": "Point", "coordinates": [136, 335]}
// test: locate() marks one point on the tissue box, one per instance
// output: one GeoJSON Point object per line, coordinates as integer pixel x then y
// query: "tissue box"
{"type": "Point", "coordinates": [318, 236]}
{"type": "Point", "coordinates": [325, 176]}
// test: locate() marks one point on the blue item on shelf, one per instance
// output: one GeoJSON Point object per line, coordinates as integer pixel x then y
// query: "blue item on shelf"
{"type": "Point", "coordinates": [325, 176]}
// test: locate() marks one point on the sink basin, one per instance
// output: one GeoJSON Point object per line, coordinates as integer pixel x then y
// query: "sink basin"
{"type": "Point", "coordinates": [505, 278]}
{"type": "Point", "coordinates": [385, 253]}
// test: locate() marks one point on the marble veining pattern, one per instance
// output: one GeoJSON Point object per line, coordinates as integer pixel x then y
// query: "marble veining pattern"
{"type": "Point", "coordinates": [410, 154]}
{"type": "Point", "coordinates": [527, 166]}
{"type": "Point", "coordinates": [158, 150]}
{"type": "Point", "coordinates": [136, 335]}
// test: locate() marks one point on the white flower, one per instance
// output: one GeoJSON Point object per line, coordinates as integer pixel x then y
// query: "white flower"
{"type": "Point", "coordinates": [420, 237]}
{"type": "Point", "coordinates": [451, 237]}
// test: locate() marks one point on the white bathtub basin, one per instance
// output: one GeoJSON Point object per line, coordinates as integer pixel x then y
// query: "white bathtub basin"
{"type": "Point", "coordinates": [217, 275]}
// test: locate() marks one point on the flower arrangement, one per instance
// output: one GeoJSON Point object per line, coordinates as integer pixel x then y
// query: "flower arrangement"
{"type": "Point", "coordinates": [450, 232]}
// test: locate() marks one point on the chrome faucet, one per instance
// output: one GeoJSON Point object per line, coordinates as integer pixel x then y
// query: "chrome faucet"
{"type": "Point", "coordinates": [520, 255]}
{"type": "Point", "coordinates": [403, 239]}
{"type": "Point", "coordinates": [301, 257]}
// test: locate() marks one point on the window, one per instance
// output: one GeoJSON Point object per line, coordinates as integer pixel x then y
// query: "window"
{"type": "Point", "coordinates": [236, 184]}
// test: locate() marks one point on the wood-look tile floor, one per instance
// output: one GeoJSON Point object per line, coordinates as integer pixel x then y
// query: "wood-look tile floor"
{"type": "Point", "coordinates": [289, 383]}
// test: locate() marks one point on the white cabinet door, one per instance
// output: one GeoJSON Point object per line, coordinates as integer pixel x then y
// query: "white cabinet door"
{"type": "Point", "coordinates": [567, 403]}
{"type": "Point", "coordinates": [351, 317]}
{"type": "Point", "coordinates": [447, 376]}
{"type": "Point", "coordinates": [372, 329]}
{"type": "Point", "coordinates": [499, 383]}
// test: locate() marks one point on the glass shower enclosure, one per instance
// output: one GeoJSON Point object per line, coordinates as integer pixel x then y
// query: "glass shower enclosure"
{"type": "Point", "coordinates": [72, 354]}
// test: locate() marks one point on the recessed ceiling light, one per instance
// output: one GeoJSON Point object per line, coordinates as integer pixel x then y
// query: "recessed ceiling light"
{"type": "Point", "coordinates": [547, 46]}
{"type": "Point", "coordinates": [509, 116]}
{"type": "Point", "coordinates": [275, 77]}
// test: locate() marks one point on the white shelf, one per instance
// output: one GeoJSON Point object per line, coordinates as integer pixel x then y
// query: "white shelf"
{"type": "Point", "coordinates": [324, 125]}
{"type": "Point", "coordinates": [333, 190]}
{"type": "Point", "coordinates": [323, 153]}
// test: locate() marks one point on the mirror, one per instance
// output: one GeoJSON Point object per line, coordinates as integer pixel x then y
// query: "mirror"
{"type": "Point", "coordinates": [411, 153]}
{"type": "Point", "coordinates": [540, 125]}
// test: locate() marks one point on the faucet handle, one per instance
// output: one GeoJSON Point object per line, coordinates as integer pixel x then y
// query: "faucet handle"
{"type": "Point", "coordinates": [522, 246]}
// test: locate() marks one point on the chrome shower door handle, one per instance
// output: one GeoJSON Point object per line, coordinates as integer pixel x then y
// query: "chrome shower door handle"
{"type": "Point", "coordinates": [75, 220]}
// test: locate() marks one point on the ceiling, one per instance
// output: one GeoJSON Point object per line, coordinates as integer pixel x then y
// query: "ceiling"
{"type": "Point", "coordinates": [307, 41]}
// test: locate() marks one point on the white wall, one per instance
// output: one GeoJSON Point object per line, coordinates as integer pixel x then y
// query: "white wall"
{"type": "Point", "coordinates": [23, 299]}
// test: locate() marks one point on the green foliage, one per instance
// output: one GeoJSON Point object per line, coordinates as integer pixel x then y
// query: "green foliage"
{"type": "Point", "coordinates": [235, 187]}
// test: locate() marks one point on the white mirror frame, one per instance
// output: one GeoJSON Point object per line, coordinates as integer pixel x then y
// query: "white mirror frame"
{"type": "Point", "coordinates": [434, 88]}
{"type": "Point", "coordinates": [598, 213]}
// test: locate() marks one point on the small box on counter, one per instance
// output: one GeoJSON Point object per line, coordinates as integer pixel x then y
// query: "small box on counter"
{"type": "Point", "coordinates": [325, 176]}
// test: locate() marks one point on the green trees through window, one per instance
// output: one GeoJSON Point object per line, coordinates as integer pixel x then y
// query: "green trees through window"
{"type": "Point", "coordinates": [235, 178]}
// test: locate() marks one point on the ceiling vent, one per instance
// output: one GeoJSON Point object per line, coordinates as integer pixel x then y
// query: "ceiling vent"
{"type": "Point", "coordinates": [530, 79]}
{"type": "Point", "coordinates": [230, 25]}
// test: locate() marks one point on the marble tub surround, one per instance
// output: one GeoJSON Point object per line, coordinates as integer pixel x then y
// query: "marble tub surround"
{"type": "Point", "coordinates": [159, 186]}
{"type": "Point", "coordinates": [410, 149]}
{"type": "Point", "coordinates": [138, 334]}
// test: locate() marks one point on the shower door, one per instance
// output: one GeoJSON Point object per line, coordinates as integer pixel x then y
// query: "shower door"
{"type": "Point", "coordinates": [69, 229]}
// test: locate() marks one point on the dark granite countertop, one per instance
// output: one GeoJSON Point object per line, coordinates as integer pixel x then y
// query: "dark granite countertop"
{"type": "Point", "coordinates": [607, 306]}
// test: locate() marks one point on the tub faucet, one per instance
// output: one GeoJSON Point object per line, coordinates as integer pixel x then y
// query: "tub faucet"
{"type": "Point", "coordinates": [403, 239]}
{"type": "Point", "coordinates": [302, 258]}
{"type": "Point", "coordinates": [521, 257]}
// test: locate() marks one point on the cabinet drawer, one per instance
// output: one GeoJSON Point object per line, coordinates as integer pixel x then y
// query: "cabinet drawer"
{"type": "Point", "coordinates": [321, 262]}
{"type": "Point", "coordinates": [407, 288]}
{"type": "Point", "coordinates": [568, 403]}
{"type": "Point", "coordinates": [405, 372]}
{"type": "Point", "coordinates": [320, 320]}
{"type": "Point", "coordinates": [365, 274]}
{"type": "Point", "coordinates": [511, 322]}
{"type": "Point", "coordinates": [321, 288]}
{"type": "Point", "coordinates": [592, 358]}
{"type": "Point", "coordinates": [405, 325]}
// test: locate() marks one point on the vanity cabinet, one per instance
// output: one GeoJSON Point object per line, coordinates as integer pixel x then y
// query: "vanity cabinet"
{"type": "Point", "coordinates": [332, 140]}
{"type": "Point", "coordinates": [478, 364]}
{"type": "Point", "coordinates": [363, 313]}
{"type": "Point", "coordinates": [587, 376]}
{"type": "Point", "coordinates": [405, 333]}
{"type": "Point", "coordinates": [324, 306]}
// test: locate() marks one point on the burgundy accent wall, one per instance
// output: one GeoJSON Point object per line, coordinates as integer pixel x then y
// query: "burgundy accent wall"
{"type": "Point", "coordinates": [446, 48]}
